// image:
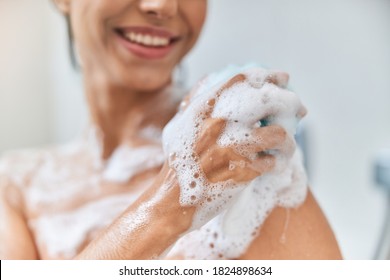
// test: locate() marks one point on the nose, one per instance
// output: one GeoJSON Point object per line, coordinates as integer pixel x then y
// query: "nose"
{"type": "Point", "coordinates": [161, 9]}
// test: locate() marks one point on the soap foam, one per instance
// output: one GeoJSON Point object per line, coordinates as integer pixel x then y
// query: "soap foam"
{"type": "Point", "coordinates": [71, 192]}
{"type": "Point", "coordinates": [64, 234]}
{"type": "Point", "coordinates": [54, 178]}
{"type": "Point", "coordinates": [236, 210]}
{"type": "Point", "coordinates": [121, 169]}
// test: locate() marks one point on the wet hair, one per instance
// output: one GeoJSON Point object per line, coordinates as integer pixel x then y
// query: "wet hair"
{"type": "Point", "coordinates": [71, 49]}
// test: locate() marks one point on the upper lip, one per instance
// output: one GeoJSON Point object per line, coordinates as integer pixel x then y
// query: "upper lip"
{"type": "Point", "coordinates": [147, 30]}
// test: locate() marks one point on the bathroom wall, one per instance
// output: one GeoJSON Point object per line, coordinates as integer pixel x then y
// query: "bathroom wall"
{"type": "Point", "coordinates": [337, 54]}
{"type": "Point", "coordinates": [24, 93]}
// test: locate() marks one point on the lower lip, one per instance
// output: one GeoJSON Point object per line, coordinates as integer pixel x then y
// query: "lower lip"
{"type": "Point", "coordinates": [144, 51]}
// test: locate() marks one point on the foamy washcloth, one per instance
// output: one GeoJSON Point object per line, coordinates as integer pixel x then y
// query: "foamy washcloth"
{"type": "Point", "coordinates": [238, 209]}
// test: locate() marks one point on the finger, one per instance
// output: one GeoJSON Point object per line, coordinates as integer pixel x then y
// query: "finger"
{"type": "Point", "coordinates": [209, 134]}
{"type": "Point", "coordinates": [243, 170]}
{"type": "Point", "coordinates": [272, 138]}
{"type": "Point", "coordinates": [268, 138]}
{"type": "Point", "coordinates": [239, 170]}
{"type": "Point", "coordinates": [236, 79]}
{"type": "Point", "coordinates": [278, 78]}
{"type": "Point", "coordinates": [239, 176]}
{"type": "Point", "coordinates": [211, 103]}
{"type": "Point", "coordinates": [263, 164]}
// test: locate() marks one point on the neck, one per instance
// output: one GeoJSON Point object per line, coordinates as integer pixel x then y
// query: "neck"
{"type": "Point", "coordinates": [120, 113]}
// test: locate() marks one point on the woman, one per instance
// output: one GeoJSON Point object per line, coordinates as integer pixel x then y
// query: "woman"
{"type": "Point", "coordinates": [88, 200]}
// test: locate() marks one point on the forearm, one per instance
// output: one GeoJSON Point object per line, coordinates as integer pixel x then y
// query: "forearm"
{"type": "Point", "coordinates": [148, 227]}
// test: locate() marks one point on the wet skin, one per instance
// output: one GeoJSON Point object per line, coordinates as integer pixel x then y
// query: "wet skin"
{"type": "Point", "coordinates": [124, 90]}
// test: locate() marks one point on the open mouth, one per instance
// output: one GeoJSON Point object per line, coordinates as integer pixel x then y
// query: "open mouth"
{"type": "Point", "coordinates": [147, 39]}
{"type": "Point", "coordinates": [147, 42]}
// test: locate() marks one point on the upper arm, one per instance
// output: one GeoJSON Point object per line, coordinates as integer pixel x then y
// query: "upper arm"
{"type": "Point", "coordinates": [301, 233]}
{"type": "Point", "coordinates": [16, 241]}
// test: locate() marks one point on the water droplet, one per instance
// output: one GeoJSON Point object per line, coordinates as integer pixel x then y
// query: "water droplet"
{"type": "Point", "coordinates": [193, 184]}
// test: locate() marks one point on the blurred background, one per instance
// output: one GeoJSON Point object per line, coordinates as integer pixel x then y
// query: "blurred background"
{"type": "Point", "coordinates": [337, 53]}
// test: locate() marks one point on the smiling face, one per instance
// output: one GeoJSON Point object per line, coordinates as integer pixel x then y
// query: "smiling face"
{"type": "Point", "coordinates": [134, 44]}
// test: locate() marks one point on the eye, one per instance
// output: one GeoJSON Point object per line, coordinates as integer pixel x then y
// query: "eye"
{"type": "Point", "coordinates": [265, 121]}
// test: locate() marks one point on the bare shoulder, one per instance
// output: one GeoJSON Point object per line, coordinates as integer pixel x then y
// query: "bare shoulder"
{"type": "Point", "coordinates": [17, 166]}
{"type": "Point", "coordinates": [301, 233]}
{"type": "Point", "coordinates": [20, 172]}
{"type": "Point", "coordinates": [16, 241]}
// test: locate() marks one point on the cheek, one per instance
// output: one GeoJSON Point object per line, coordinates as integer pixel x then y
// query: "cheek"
{"type": "Point", "coordinates": [109, 8]}
{"type": "Point", "coordinates": [85, 23]}
{"type": "Point", "coordinates": [90, 18]}
{"type": "Point", "coordinates": [195, 12]}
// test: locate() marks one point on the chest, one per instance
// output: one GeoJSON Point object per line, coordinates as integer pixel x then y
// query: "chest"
{"type": "Point", "coordinates": [70, 200]}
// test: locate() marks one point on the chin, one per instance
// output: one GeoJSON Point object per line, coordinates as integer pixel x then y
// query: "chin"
{"type": "Point", "coordinates": [150, 88]}
{"type": "Point", "coordinates": [141, 78]}
{"type": "Point", "coordinates": [150, 83]}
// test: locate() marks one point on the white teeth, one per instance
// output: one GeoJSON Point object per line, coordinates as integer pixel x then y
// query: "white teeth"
{"type": "Point", "coordinates": [155, 41]}
{"type": "Point", "coordinates": [132, 37]}
{"type": "Point", "coordinates": [138, 38]}
{"type": "Point", "coordinates": [147, 40]}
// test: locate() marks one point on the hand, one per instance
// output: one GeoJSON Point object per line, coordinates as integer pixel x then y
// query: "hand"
{"type": "Point", "coordinates": [224, 163]}
{"type": "Point", "coordinates": [226, 136]}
